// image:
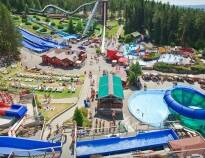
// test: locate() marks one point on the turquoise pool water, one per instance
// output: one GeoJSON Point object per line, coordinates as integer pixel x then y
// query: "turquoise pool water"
{"type": "Point", "coordinates": [149, 107]}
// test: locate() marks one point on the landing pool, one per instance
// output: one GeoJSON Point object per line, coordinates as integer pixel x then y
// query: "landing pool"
{"type": "Point", "coordinates": [149, 107]}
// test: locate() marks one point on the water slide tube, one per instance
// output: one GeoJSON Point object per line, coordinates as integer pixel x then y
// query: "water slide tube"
{"type": "Point", "coordinates": [118, 145]}
{"type": "Point", "coordinates": [183, 99]}
{"type": "Point", "coordinates": [15, 110]}
{"type": "Point", "coordinates": [26, 147]}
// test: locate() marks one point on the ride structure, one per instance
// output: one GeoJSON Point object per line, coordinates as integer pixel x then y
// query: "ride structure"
{"type": "Point", "coordinates": [118, 145]}
{"type": "Point", "coordinates": [15, 110]}
{"type": "Point", "coordinates": [103, 4]}
{"type": "Point", "coordinates": [189, 105]}
{"type": "Point", "coordinates": [24, 147]}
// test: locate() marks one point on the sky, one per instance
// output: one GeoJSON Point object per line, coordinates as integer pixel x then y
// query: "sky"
{"type": "Point", "coordinates": [184, 2]}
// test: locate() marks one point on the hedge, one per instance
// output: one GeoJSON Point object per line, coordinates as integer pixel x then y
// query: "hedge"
{"type": "Point", "coordinates": [35, 27]}
{"type": "Point", "coordinates": [43, 30]}
{"type": "Point", "coordinates": [172, 68]}
{"type": "Point", "coordinates": [53, 24]}
{"type": "Point", "coordinates": [60, 27]}
{"type": "Point", "coordinates": [47, 20]}
{"type": "Point", "coordinates": [128, 38]}
{"type": "Point", "coordinates": [200, 68]}
{"type": "Point", "coordinates": [27, 23]}
{"type": "Point", "coordinates": [151, 56]}
{"type": "Point", "coordinates": [16, 18]}
{"type": "Point", "coordinates": [24, 20]}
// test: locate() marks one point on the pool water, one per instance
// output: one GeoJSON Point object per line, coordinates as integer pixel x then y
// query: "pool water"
{"type": "Point", "coordinates": [149, 107]}
{"type": "Point", "coordinates": [129, 51]}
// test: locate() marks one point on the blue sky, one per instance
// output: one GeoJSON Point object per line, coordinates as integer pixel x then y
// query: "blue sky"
{"type": "Point", "coordinates": [184, 2]}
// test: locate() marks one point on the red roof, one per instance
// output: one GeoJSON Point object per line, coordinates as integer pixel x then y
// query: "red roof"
{"type": "Point", "coordinates": [112, 54]}
{"type": "Point", "coordinates": [188, 144]}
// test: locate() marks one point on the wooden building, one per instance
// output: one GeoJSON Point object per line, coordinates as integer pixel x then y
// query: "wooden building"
{"type": "Point", "coordinates": [64, 58]}
{"type": "Point", "coordinates": [110, 95]}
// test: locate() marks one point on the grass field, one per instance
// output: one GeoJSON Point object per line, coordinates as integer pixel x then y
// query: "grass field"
{"type": "Point", "coordinates": [58, 108]}
{"type": "Point", "coordinates": [113, 29]}
{"type": "Point", "coordinates": [58, 95]}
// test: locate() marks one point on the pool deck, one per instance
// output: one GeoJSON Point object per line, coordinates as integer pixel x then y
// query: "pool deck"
{"type": "Point", "coordinates": [134, 124]}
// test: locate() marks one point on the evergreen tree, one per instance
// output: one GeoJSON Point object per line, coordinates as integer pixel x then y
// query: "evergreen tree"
{"type": "Point", "coordinates": [9, 38]}
{"type": "Point", "coordinates": [166, 24]}
{"type": "Point", "coordinates": [78, 117]}
{"type": "Point", "coordinates": [79, 27]}
{"type": "Point", "coordinates": [26, 9]}
{"type": "Point", "coordinates": [134, 72]}
{"type": "Point", "coordinates": [37, 4]}
{"type": "Point", "coordinates": [70, 28]}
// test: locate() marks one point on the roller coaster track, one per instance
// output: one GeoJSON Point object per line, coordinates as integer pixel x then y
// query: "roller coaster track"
{"type": "Point", "coordinates": [64, 11]}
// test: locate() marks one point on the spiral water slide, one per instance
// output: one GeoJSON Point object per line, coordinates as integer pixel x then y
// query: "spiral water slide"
{"type": "Point", "coordinates": [64, 11]}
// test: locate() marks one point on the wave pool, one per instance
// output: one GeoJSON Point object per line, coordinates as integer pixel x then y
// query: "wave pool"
{"type": "Point", "coordinates": [149, 107]}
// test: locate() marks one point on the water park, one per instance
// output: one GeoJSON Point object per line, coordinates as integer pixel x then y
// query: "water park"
{"type": "Point", "coordinates": [85, 88]}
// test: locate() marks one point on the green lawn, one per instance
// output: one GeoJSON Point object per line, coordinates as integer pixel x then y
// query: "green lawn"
{"type": "Point", "coordinates": [58, 108]}
{"type": "Point", "coordinates": [114, 28]}
{"type": "Point", "coordinates": [60, 95]}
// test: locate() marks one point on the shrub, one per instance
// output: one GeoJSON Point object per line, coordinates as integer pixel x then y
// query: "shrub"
{"type": "Point", "coordinates": [52, 33]}
{"type": "Point", "coordinates": [27, 23]}
{"type": "Point", "coordinates": [151, 56]}
{"type": "Point", "coordinates": [98, 51]}
{"type": "Point", "coordinates": [60, 27]}
{"type": "Point", "coordinates": [47, 20]}
{"type": "Point", "coordinates": [121, 39]}
{"type": "Point", "coordinates": [34, 16]}
{"type": "Point", "coordinates": [16, 18]}
{"type": "Point", "coordinates": [53, 24]}
{"type": "Point", "coordinates": [128, 38]}
{"type": "Point", "coordinates": [43, 30]}
{"type": "Point", "coordinates": [199, 69]}
{"type": "Point", "coordinates": [35, 27]}
{"type": "Point", "coordinates": [38, 19]}
{"type": "Point", "coordinates": [172, 68]}
{"type": "Point", "coordinates": [24, 20]}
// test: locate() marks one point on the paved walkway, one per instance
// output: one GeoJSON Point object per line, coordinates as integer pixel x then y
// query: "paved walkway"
{"type": "Point", "coordinates": [65, 100]}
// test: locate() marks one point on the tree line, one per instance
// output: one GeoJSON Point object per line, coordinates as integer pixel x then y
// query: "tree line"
{"type": "Point", "coordinates": [166, 24]}
{"type": "Point", "coordinates": [9, 37]}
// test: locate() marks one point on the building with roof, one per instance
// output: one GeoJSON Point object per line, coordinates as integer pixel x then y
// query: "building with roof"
{"type": "Point", "coordinates": [64, 58]}
{"type": "Point", "coordinates": [188, 146]}
{"type": "Point", "coordinates": [110, 94]}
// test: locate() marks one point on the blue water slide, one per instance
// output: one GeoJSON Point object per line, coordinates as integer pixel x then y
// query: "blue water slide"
{"type": "Point", "coordinates": [118, 145]}
{"type": "Point", "coordinates": [67, 35]}
{"type": "Point", "coordinates": [17, 111]}
{"type": "Point", "coordinates": [36, 45]}
{"type": "Point", "coordinates": [30, 46]}
{"type": "Point", "coordinates": [27, 147]}
{"type": "Point", "coordinates": [182, 109]}
{"type": "Point", "coordinates": [39, 40]}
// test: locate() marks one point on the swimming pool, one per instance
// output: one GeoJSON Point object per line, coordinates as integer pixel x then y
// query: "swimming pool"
{"type": "Point", "coordinates": [149, 107]}
{"type": "Point", "coordinates": [166, 58]}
